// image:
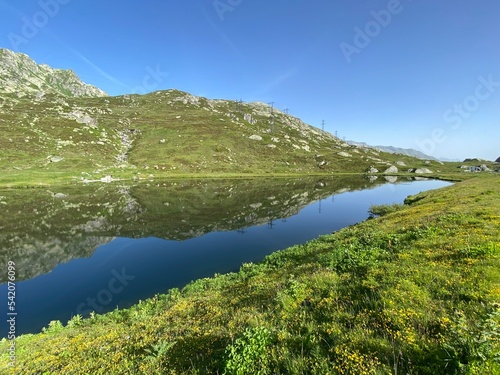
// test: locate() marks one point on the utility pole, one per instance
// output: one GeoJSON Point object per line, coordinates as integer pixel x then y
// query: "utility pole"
{"type": "Point", "coordinates": [270, 224]}
{"type": "Point", "coordinates": [336, 134]}
{"type": "Point", "coordinates": [323, 125]}
{"type": "Point", "coordinates": [286, 111]}
{"type": "Point", "coordinates": [239, 105]}
{"type": "Point", "coordinates": [271, 122]}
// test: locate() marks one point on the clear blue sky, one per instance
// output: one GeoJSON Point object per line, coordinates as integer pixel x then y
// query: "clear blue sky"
{"type": "Point", "coordinates": [423, 74]}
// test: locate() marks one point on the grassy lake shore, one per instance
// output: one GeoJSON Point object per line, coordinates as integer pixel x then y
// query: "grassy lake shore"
{"type": "Point", "coordinates": [415, 291]}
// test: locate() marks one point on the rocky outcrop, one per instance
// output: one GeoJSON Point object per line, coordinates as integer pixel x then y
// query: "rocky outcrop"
{"type": "Point", "coordinates": [344, 154]}
{"type": "Point", "coordinates": [20, 74]}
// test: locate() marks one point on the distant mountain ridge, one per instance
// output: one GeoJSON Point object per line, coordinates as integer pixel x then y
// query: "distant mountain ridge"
{"type": "Point", "coordinates": [398, 150]}
{"type": "Point", "coordinates": [20, 75]}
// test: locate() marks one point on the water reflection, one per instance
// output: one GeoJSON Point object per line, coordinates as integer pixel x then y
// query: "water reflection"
{"type": "Point", "coordinates": [100, 247]}
{"type": "Point", "coordinates": [40, 229]}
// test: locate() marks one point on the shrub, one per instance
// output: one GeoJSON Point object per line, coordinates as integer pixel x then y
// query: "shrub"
{"type": "Point", "coordinates": [248, 354]}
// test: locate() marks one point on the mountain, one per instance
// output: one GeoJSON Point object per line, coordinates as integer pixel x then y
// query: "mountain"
{"type": "Point", "coordinates": [19, 74]}
{"type": "Point", "coordinates": [406, 151]}
{"type": "Point", "coordinates": [68, 135]}
{"type": "Point", "coordinates": [397, 150]}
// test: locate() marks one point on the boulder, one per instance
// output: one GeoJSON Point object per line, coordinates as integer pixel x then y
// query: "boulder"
{"type": "Point", "coordinates": [256, 137]}
{"type": "Point", "coordinates": [422, 170]}
{"type": "Point", "coordinates": [372, 170]}
{"type": "Point", "coordinates": [55, 159]}
{"type": "Point", "coordinates": [391, 169]}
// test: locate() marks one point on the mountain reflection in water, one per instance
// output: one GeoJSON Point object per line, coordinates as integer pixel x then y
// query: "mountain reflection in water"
{"type": "Point", "coordinates": [74, 244]}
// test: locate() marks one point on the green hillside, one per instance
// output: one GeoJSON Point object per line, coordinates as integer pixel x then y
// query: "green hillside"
{"type": "Point", "coordinates": [168, 133]}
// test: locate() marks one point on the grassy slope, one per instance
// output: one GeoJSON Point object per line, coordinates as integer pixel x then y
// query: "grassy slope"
{"type": "Point", "coordinates": [172, 134]}
{"type": "Point", "coordinates": [416, 291]}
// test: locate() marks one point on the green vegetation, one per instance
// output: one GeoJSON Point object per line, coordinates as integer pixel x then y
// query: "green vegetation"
{"type": "Point", "coordinates": [416, 291]}
{"type": "Point", "coordinates": [384, 209]}
{"type": "Point", "coordinates": [54, 140]}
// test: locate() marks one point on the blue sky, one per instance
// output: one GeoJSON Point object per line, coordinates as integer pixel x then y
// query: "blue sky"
{"type": "Point", "coordinates": [423, 74]}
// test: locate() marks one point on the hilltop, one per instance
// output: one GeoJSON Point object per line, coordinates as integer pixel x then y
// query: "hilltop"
{"type": "Point", "coordinates": [22, 76]}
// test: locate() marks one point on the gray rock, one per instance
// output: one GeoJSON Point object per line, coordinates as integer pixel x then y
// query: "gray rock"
{"type": "Point", "coordinates": [372, 170]}
{"type": "Point", "coordinates": [391, 169]}
{"type": "Point", "coordinates": [21, 74]}
{"type": "Point", "coordinates": [248, 118]}
{"type": "Point", "coordinates": [107, 179]}
{"type": "Point", "coordinates": [55, 159]}
{"type": "Point", "coordinates": [422, 170]}
{"type": "Point", "coordinates": [255, 137]}
{"type": "Point", "coordinates": [344, 154]}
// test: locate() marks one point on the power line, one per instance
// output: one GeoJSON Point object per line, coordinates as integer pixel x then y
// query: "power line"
{"type": "Point", "coordinates": [271, 121]}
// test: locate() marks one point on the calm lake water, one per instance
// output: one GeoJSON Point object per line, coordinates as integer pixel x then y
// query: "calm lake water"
{"type": "Point", "coordinates": [94, 248]}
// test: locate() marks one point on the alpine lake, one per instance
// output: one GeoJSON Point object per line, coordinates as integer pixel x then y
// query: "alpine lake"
{"type": "Point", "coordinates": [97, 247]}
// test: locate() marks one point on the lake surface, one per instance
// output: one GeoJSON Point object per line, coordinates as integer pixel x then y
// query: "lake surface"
{"type": "Point", "coordinates": [94, 248]}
